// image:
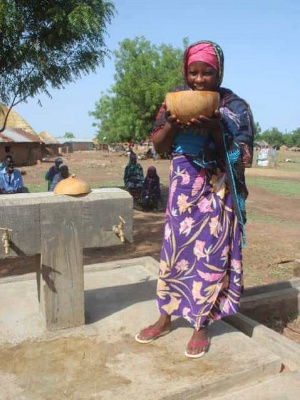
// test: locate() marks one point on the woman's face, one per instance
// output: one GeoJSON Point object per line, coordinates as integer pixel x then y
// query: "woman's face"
{"type": "Point", "coordinates": [151, 172]}
{"type": "Point", "coordinates": [201, 76]}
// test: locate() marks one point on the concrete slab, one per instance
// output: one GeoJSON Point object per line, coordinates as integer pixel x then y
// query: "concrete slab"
{"type": "Point", "coordinates": [101, 360]}
{"type": "Point", "coordinates": [285, 386]}
{"type": "Point", "coordinates": [286, 349]}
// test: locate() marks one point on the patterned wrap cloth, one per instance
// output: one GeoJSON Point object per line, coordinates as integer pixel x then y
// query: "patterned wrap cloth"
{"type": "Point", "coordinates": [200, 275]}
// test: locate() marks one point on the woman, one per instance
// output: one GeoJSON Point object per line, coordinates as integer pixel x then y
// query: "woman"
{"type": "Point", "coordinates": [151, 193]}
{"type": "Point", "coordinates": [134, 177]}
{"type": "Point", "coordinates": [200, 275]}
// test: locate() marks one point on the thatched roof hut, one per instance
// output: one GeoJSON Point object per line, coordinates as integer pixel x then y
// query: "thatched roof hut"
{"type": "Point", "coordinates": [14, 120]}
{"type": "Point", "coordinates": [47, 138]}
{"type": "Point", "coordinates": [18, 138]}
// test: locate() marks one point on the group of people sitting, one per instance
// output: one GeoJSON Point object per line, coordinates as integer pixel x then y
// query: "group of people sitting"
{"type": "Point", "coordinates": [146, 190]}
{"type": "Point", "coordinates": [11, 180]}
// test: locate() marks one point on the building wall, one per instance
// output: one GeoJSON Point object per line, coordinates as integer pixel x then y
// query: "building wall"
{"type": "Point", "coordinates": [23, 153]}
{"type": "Point", "coordinates": [50, 150]}
{"type": "Point", "coordinates": [76, 146]}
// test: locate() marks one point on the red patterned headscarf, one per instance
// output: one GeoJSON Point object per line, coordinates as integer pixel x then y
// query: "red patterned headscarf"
{"type": "Point", "coordinates": [208, 52]}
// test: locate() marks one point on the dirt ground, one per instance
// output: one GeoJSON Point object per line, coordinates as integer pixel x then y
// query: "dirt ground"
{"type": "Point", "coordinates": [273, 227]}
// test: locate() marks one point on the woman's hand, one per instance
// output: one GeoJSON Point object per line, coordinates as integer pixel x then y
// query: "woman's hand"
{"type": "Point", "coordinates": [212, 124]}
{"type": "Point", "coordinates": [172, 120]}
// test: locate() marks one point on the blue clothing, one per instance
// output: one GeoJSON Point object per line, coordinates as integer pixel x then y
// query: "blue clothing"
{"type": "Point", "coordinates": [57, 178]}
{"type": "Point", "coordinates": [188, 142]}
{"type": "Point", "coordinates": [50, 174]}
{"type": "Point", "coordinates": [11, 183]}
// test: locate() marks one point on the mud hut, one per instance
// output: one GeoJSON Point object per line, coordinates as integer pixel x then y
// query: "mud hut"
{"type": "Point", "coordinates": [23, 146]}
{"type": "Point", "coordinates": [49, 144]}
{"type": "Point", "coordinates": [18, 138]}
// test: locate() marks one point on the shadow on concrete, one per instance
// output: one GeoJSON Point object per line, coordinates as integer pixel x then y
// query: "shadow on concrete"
{"type": "Point", "coordinates": [12, 266]}
{"type": "Point", "coordinates": [101, 303]}
{"type": "Point", "coordinates": [16, 249]}
{"type": "Point", "coordinates": [46, 274]}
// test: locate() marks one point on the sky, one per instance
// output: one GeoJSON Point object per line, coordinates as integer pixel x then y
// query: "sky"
{"type": "Point", "coordinates": [261, 44]}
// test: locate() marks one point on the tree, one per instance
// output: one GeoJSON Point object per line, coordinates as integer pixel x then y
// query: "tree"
{"type": "Point", "coordinates": [296, 137]}
{"type": "Point", "coordinates": [69, 135]}
{"type": "Point", "coordinates": [292, 139]}
{"type": "Point", "coordinates": [257, 131]}
{"type": "Point", "coordinates": [144, 74]}
{"type": "Point", "coordinates": [273, 136]}
{"type": "Point", "coordinates": [49, 43]}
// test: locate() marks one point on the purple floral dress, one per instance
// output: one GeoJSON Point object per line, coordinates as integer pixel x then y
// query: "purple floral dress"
{"type": "Point", "coordinates": [200, 275]}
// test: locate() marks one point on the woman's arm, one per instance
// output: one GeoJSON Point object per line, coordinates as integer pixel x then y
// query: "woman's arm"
{"type": "Point", "coordinates": [163, 138]}
{"type": "Point", "coordinates": [165, 128]}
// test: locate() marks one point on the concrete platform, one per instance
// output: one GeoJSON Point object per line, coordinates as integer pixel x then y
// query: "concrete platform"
{"type": "Point", "coordinates": [101, 359]}
{"type": "Point", "coordinates": [281, 387]}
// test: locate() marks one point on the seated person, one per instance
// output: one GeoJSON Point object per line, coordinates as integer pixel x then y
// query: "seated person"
{"type": "Point", "coordinates": [134, 176]}
{"type": "Point", "coordinates": [151, 193]}
{"type": "Point", "coordinates": [62, 174]}
{"type": "Point", "coordinates": [3, 164]}
{"type": "Point", "coordinates": [10, 178]}
{"type": "Point", "coordinates": [53, 171]}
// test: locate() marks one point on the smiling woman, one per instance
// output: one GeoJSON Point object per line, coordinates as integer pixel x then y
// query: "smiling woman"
{"type": "Point", "coordinates": [200, 275]}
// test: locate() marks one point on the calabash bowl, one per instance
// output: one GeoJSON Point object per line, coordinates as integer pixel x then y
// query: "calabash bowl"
{"type": "Point", "coordinates": [72, 186]}
{"type": "Point", "coordinates": [189, 104]}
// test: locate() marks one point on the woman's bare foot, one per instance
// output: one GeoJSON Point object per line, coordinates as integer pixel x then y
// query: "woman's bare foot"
{"type": "Point", "coordinates": [152, 332]}
{"type": "Point", "coordinates": [198, 344]}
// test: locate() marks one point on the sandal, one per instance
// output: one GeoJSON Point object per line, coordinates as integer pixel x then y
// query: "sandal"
{"type": "Point", "coordinates": [203, 344]}
{"type": "Point", "coordinates": [152, 335]}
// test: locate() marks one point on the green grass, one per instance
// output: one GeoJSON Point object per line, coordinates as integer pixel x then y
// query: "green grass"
{"type": "Point", "coordinates": [291, 167]}
{"type": "Point", "coordinates": [253, 216]}
{"type": "Point", "coordinates": [118, 184]}
{"type": "Point", "coordinates": [38, 188]}
{"type": "Point", "coordinates": [280, 187]}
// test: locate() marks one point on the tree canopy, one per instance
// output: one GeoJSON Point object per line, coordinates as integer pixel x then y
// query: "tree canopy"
{"type": "Point", "coordinates": [144, 74]}
{"type": "Point", "coordinates": [49, 43]}
{"type": "Point", "coordinates": [276, 138]}
{"type": "Point", "coordinates": [69, 135]}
